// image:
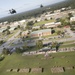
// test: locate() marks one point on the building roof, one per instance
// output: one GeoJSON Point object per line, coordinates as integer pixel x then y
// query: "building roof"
{"type": "Point", "coordinates": [2, 29]}
{"type": "Point", "coordinates": [41, 31]}
{"type": "Point", "coordinates": [36, 27]}
{"type": "Point", "coordinates": [72, 19]}
{"type": "Point", "coordinates": [12, 28]}
{"type": "Point", "coordinates": [51, 23]}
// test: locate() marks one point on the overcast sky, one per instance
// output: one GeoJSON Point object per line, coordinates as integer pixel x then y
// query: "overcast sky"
{"type": "Point", "coordinates": [22, 5]}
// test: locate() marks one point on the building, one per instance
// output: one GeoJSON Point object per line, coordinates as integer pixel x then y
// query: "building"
{"type": "Point", "coordinates": [12, 28]}
{"type": "Point", "coordinates": [72, 19]}
{"type": "Point", "coordinates": [57, 23]}
{"type": "Point", "coordinates": [25, 33]}
{"type": "Point", "coordinates": [6, 22]}
{"type": "Point", "coordinates": [63, 9]}
{"type": "Point", "coordinates": [36, 27]}
{"type": "Point", "coordinates": [2, 29]}
{"type": "Point", "coordinates": [52, 24]}
{"type": "Point", "coordinates": [16, 23]}
{"type": "Point", "coordinates": [38, 19]}
{"type": "Point", "coordinates": [40, 33]}
{"type": "Point", "coordinates": [22, 22]}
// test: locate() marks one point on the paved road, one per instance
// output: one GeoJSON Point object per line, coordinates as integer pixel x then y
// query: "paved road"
{"type": "Point", "coordinates": [44, 42]}
{"type": "Point", "coordinates": [34, 43]}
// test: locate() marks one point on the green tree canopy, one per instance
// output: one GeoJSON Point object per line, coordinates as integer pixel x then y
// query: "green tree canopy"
{"type": "Point", "coordinates": [6, 51]}
{"type": "Point", "coordinates": [8, 27]}
{"type": "Point", "coordinates": [39, 44]}
{"type": "Point", "coordinates": [30, 23]}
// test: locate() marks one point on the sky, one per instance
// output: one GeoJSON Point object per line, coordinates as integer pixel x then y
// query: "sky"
{"type": "Point", "coordinates": [22, 5]}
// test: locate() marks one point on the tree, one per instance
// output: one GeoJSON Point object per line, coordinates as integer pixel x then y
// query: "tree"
{"type": "Point", "coordinates": [28, 27]}
{"type": "Point", "coordinates": [1, 42]}
{"type": "Point", "coordinates": [46, 19]}
{"type": "Point", "coordinates": [18, 26]}
{"type": "Point", "coordinates": [25, 47]}
{"type": "Point", "coordinates": [8, 27]}
{"type": "Point", "coordinates": [73, 23]}
{"type": "Point", "coordinates": [35, 21]}
{"type": "Point", "coordinates": [70, 15]}
{"type": "Point", "coordinates": [30, 23]}
{"type": "Point", "coordinates": [39, 44]}
{"type": "Point", "coordinates": [8, 32]}
{"type": "Point", "coordinates": [57, 46]}
{"type": "Point", "coordinates": [42, 26]}
{"type": "Point", "coordinates": [20, 34]}
{"type": "Point", "coordinates": [52, 31]}
{"type": "Point", "coordinates": [18, 50]}
{"type": "Point", "coordinates": [64, 22]}
{"type": "Point", "coordinates": [1, 58]}
{"type": "Point", "coordinates": [6, 51]}
{"type": "Point", "coordinates": [72, 28]}
{"type": "Point", "coordinates": [59, 32]}
{"type": "Point", "coordinates": [54, 44]}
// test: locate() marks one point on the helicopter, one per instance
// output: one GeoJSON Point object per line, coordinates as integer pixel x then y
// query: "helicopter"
{"type": "Point", "coordinates": [41, 6]}
{"type": "Point", "coordinates": [12, 11]}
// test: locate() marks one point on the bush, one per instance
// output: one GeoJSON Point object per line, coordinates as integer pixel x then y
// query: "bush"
{"type": "Point", "coordinates": [19, 50]}
{"type": "Point", "coordinates": [6, 51]}
{"type": "Point", "coordinates": [1, 58]}
{"type": "Point", "coordinates": [1, 42]}
{"type": "Point", "coordinates": [52, 31]}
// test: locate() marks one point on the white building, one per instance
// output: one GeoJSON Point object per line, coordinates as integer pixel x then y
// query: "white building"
{"type": "Point", "coordinates": [63, 9]}
{"type": "Point", "coordinates": [25, 33]}
{"type": "Point", "coordinates": [2, 29]}
{"type": "Point", "coordinates": [36, 27]}
{"type": "Point", "coordinates": [16, 23]}
{"type": "Point", "coordinates": [1, 23]}
{"type": "Point", "coordinates": [6, 22]}
{"type": "Point", "coordinates": [22, 22]}
{"type": "Point", "coordinates": [38, 19]}
{"type": "Point", "coordinates": [13, 28]}
{"type": "Point", "coordinates": [72, 19]}
{"type": "Point", "coordinates": [52, 24]}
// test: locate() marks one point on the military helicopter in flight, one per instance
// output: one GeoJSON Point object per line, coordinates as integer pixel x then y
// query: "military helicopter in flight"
{"type": "Point", "coordinates": [12, 11]}
{"type": "Point", "coordinates": [16, 13]}
{"type": "Point", "coordinates": [41, 6]}
{"type": "Point", "coordinates": [9, 11]}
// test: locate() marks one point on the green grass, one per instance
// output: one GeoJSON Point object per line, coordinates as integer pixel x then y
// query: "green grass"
{"type": "Point", "coordinates": [18, 61]}
{"type": "Point", "coordinates": [68, 42]}
{"type": "Point", "coordinates": [43, 22]}
{"type": "Point", "coordinates": [70, 45]}
{"type": "Point", "coordinates": [13, 33]}
{"type": "Point", "coordinates": [8, 36]}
